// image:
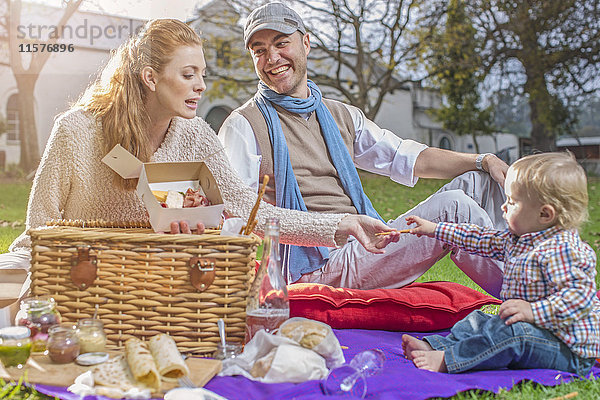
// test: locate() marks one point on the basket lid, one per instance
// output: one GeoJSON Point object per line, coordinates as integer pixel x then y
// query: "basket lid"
{"type": "Point", "coordinates": [15, 332]}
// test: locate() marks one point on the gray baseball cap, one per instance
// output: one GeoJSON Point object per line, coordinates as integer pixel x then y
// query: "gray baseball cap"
{"type": "Point", "coordinates": [275, 16]}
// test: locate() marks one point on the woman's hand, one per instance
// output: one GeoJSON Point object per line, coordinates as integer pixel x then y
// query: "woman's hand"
{"type": "Point", "coordinates": [364, 228]}
{"type": "Point", "coordinates": [184, 227]}
{"type": "Point", "coordinates": [423, 227]}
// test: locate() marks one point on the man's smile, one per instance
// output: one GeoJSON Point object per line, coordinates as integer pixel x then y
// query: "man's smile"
{"type": "Point", "coordinates": [279, 70]}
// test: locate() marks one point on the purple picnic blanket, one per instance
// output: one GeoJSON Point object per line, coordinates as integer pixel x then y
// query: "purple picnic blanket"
{"type": "Point", "coordinates": [400, 379]}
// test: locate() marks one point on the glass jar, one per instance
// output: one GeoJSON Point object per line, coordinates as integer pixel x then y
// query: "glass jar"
{"type": "Point", "coordinates": [38, 314]}
{"type": "Point", "coordinates": [15, 346]}
{"type": "Point", "coordinates": [90, 332]}
{"type": "Point", "coordinates": [231, 350]}
{"type": "Point", "coordinates": [63, 344]}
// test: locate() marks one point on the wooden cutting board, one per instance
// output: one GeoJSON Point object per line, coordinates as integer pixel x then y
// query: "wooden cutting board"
{"type": "Point", "coordinates": [40, 369]}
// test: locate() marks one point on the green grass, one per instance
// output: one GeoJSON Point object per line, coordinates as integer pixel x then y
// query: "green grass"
{"type": "Point", "coordinates": [13, 204]}
{"type": "Point", "coordinates": [390, 200]}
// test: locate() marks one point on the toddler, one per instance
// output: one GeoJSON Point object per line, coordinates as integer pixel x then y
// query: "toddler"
{"type": "Point", "coordinates": [550, 317]}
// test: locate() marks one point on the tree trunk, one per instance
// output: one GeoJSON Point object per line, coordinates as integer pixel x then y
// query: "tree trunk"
{"type": "Point", "coordinates": [26, 79]}
{"type": "Point", "coordinates": [475, 144]}
{"type": "Point", "coordinates": [540, 104]}
{"type": "Point", "coordinates": [30, 151]}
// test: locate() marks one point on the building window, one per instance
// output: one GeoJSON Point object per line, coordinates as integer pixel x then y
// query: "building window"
{"type": "Point", "coordinates": [223, 53]}
{"type": "Point", "coordinates": [12, 117]}
{"type": "Point", "coordinates": [216, 116]}
{"type": "Point", "coordinates": [445, 143]}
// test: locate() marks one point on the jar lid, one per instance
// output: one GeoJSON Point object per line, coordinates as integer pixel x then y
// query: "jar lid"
{"type": "Point", "coordinates": [64, 328]}
{"type": "Point", "coordinates": [38, 303]}
{"type": "Point", "coordinates": [15, 332]}
{"type": "Point", "coordinates": [90, 323]}
{"type": "Point", "coordinates": [91, 358]}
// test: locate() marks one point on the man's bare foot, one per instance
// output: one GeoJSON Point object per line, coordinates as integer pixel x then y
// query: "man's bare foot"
{"type": "Point", "coordinates": [429, 360]}
{"type": "Point", "coordinates": [411, 343]}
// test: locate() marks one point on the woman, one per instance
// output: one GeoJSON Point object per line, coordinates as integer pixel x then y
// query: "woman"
{"type": "Point", "coordinates": [146, 100]}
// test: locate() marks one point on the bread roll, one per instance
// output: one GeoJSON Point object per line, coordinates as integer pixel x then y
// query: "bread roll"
{"type": "Point", "coordinates": [306, 332]}
{"type": "Point", "coordinates": [169, 362]}
{"type": "Point", "coordinates": [142, 363]}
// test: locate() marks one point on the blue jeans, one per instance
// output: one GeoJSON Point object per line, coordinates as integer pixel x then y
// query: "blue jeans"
{"type": "Point", "coordinates": [473, 197]}
{"type": "Point", "coordinates": [482, 341]}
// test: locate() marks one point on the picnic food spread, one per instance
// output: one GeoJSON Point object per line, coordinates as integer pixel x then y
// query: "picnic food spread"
{"type": "Point", "coordinates": [132, 301]}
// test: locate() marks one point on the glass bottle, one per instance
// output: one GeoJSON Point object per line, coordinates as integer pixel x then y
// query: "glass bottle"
{"type": "Point", "coordinates": [63, 344]}
{"type": "Point", "coordinates": [90, 332]}
{"type": "Point", "coordinates": [38, 314]}
{"type": "Point", "coordinates": [268, 305]}
{"type": "Point", "coordinates": [15, 346]}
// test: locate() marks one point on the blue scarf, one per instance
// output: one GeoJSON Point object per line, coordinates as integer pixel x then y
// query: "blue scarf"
{"type": "Point", "coordinates": [304, 260]}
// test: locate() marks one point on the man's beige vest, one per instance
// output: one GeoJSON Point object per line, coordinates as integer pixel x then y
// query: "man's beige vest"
{"type": "Point", "coordinates": [317, 178]}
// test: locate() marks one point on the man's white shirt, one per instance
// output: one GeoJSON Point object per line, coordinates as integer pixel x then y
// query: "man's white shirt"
{"type": "Point", "coordinates": [376, 150]}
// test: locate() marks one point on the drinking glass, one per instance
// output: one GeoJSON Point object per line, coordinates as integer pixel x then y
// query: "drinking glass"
{"type": "Point", "coordinates": [351, 378]}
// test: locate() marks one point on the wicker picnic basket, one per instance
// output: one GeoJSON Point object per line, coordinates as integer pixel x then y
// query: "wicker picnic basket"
{"type": "Point", "coordinates": [143, 283]}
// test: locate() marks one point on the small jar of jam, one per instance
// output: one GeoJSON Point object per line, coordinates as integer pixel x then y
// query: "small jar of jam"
{"type": "Point", "coordinates": [38, 314]}
{"type": "Point", "coordinates": [90, 332]}
{"type": "Point", "coordinates": [15, 346]}
{"type": "Point", "coordinates": [63, 344]}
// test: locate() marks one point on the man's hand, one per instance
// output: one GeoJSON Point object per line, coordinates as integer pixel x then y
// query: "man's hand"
{"type": "Point", "coordinates": [515, 310]}
{"type": "Point", "coordinates": [496, 168]}
{"type": "Point", "coordinates": [364, 228]}
{"type": "Point", "coordinates": [184, 227]}
{"type": "Point", "coordinates": [424, 227]}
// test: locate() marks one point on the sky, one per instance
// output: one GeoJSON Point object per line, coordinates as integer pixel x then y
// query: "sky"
{"type": "Point", "coordinates": [143, 9]}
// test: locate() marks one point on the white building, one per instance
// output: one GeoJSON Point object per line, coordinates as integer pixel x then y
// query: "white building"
{"type": "Point", "coordinates": [94, 35]}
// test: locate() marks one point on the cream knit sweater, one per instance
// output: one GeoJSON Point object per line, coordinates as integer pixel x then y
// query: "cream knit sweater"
{"type": "Point", "coordinates": [72, 182]}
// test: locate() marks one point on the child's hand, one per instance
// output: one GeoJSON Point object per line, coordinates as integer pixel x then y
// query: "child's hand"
{"type": "Point", "coordinates": [515, 310]}
{"type": "Point", "coordinates": [423, 227]}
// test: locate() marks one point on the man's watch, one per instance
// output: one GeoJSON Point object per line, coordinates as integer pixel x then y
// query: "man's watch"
{"type": "Point", "coordinates": [479, 161]}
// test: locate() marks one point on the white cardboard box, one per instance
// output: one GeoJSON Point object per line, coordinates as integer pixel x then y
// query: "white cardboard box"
{"type": "Point", "coordinates": [177, 176]}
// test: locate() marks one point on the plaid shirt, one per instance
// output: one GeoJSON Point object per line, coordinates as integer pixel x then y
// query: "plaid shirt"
{"type": "Point", "coordinates": [553, 270]}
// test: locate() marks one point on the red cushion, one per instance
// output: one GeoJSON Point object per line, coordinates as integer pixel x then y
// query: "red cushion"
{"type": "Point", "coordinates": [418, 307]}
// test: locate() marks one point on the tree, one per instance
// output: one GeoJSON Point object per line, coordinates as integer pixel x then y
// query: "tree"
{"type": "Point", "coordinates": [360, 49]}
{"type": "Point", "coordinates": [550, 50]}
{"type": "Point", "coordinates": [3, 125]}
{"type": "Point", "coordinates": [453, 63]}
{"type": "Point", "coordinates": [27, 74]}
{"type": "Point", "coordinates": [511, 113]}
{"type": "Point", "coordinates": [230, 70]}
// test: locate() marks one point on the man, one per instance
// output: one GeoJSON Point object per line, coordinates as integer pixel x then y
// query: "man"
{"type": "Point", "coordinates": [312, 147]}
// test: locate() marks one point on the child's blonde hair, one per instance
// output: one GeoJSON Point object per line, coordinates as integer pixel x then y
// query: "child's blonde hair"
{"type": "Point", "coordinates": [558, 180]}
